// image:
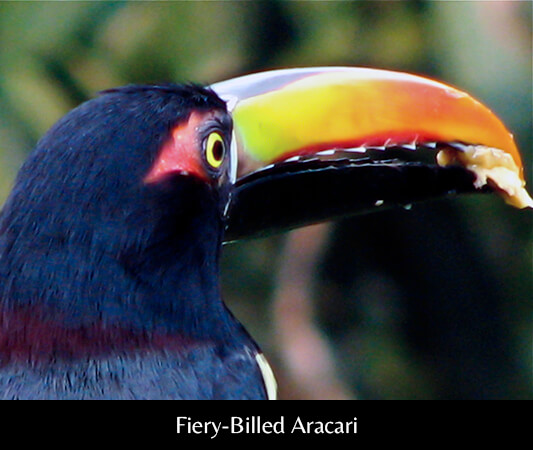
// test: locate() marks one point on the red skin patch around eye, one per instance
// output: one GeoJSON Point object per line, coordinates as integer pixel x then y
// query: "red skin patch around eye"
{"type": "Point", "coordinates": [181, 153]}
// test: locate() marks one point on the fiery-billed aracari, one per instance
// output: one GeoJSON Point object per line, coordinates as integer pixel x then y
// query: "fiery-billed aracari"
{"type": "Point", "coordinates": [110, 239]}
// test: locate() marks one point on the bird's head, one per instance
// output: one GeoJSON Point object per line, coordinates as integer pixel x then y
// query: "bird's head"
{"type": "Point", "coordinates": [132, 164]}
{"type": "Point", "coordinates": [119, 196]}
{"type": "Point", "coordinates": [308, 145]}
{"type": "Point", "coordinates": [159, 176]}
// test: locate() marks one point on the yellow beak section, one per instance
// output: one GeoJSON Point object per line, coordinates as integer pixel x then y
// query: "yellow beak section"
{"type": "Point", "coordinates": [281, 114]}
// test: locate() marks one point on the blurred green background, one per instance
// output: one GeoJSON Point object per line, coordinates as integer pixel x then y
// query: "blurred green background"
{"type": "Point", "coordinates": [434, 302]}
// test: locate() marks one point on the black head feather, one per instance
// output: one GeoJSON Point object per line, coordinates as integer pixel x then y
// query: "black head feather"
{"type": "Point", "coordinates": [82, 235]}
{"type": "Point", "coordinates": [191, 93]}
{"type": "Point", "coordinates": [109, 285]}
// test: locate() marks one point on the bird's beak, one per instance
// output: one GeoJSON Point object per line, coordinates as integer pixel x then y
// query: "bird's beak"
{"type": "Point", "coordinates": [317, 143]}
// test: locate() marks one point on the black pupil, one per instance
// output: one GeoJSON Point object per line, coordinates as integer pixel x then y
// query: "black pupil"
{"type": "Point", "coordinates": [218, 150]}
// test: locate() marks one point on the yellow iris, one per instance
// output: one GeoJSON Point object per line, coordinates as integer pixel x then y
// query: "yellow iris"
{"type": "Point", "coordinates": [215, 150]}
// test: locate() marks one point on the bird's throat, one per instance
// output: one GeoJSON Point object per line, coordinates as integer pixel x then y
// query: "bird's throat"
{"type": "Point", "coordinates": [86, 297]}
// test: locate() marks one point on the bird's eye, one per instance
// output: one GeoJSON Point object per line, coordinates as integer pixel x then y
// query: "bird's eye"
{"type": "Point", "coordinates": [215, 150]}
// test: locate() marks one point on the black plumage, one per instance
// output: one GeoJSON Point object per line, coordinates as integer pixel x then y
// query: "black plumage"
{"type": "Point", "coordinates": [109, 285]}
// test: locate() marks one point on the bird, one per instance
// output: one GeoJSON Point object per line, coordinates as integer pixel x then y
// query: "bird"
{"type": "Point", "coordinates": [110, 240]}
